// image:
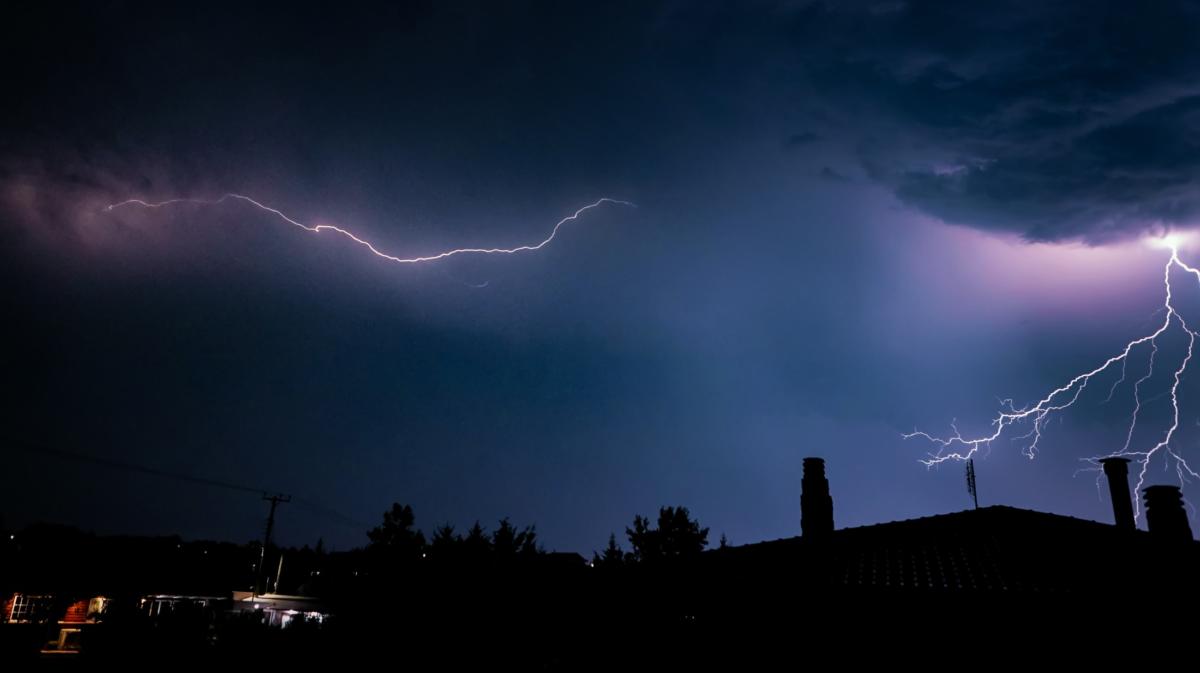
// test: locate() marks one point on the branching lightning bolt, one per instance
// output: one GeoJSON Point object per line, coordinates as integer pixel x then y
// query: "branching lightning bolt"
{"type": "Point", "coordinates": [318, 228]}
{"type": "Point", "coordinates": [960, 448]}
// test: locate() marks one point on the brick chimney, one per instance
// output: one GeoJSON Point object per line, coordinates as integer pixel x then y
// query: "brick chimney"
{"type": "Point", "coordinates": [816, 505]}
{"type": "Point", "coordinates": [1116, 470]}
{"type": "Point", "coordinates": [1164, 513]}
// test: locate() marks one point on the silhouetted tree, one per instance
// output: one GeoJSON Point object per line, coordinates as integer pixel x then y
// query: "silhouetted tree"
{"type": "Point", "coordinates": [446, 545]}
{"type": "Point", "coordinates": [724, 542]}
{"type": "Point", "coordinates": [613, 557]}
{"type": "Point", "coordinates": [508, 542]}
{"type": "Point", "coordinates": [477, 546]}
{"type": "Point", "coordinates": [643, 539]}
{"type": "Point", "coordinates": [676, 535]}
{"type": "Point", "coordinates": [396, 539]}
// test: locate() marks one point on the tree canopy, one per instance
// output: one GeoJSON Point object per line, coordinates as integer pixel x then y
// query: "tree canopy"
{"type": "Point", "coordinates": [676, 535]}
{"type": "Point", "coordinates": [396, 538]}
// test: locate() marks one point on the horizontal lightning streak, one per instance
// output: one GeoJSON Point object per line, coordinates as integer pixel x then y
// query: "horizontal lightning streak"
{"type": "Point", "coordinates": [318, 228]}
{"type": "Point", "coordinates": [959, 448]}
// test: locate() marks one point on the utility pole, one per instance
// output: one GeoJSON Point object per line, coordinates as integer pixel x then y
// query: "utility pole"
{"type": "Point", "coordinates": [278, 574]}
{"type": "Point", "coordinates": [262, 554]}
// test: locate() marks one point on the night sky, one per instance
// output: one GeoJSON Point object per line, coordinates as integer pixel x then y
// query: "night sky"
{"type": "Point", "coordinates": [854, 219]}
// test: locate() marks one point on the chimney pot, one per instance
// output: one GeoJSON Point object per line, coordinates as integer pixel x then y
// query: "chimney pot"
{"type": "Point", "coordinates": [1164, 513]}
{"type": "Point", "coordinates": [1116, 470]}
{"type": "Point", "coordinates": [816, 505]}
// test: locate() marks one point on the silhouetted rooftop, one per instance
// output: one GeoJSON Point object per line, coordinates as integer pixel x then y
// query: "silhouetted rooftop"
{"type": "Point", "coordinates": [992, 549]}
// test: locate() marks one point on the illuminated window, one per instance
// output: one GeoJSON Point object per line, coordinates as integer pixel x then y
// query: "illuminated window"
{"type": "Point", "coordinates": [24, 608]}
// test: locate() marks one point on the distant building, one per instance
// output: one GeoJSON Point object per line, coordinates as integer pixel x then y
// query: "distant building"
{"type": "Point", "coordinates": [22, 608]}
{"type": "Point", "coordinates": [76, 617]}
{"type": "Point", "coordinates": [162, 605]}
{"type": "Point", "coordinates": [278, 609]}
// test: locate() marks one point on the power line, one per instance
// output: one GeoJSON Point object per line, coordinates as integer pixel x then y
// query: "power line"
{"type": "Point", "coordinates": [43, 449]}
{"type": "Point", "coordinates": [31, 447]}
{"type": "Point", "coordinates": [332, 513]}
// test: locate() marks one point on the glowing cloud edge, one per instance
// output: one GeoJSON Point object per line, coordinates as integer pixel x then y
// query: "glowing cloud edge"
{"type": "Point", "coordinates": [958, 448]}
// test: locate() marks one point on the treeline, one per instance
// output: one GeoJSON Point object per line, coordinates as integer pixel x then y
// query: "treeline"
{"type": "Point", "coordinates": [397, 540]}
{"type": "Point", "coordinates": [52, 559]}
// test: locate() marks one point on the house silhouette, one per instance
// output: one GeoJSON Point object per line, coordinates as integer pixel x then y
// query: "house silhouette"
{"type": "Point", "coordinates": [992, 550]}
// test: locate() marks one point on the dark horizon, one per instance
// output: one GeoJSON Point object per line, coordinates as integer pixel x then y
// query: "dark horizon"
{"type": "Point", "coordinates": [854, 220]}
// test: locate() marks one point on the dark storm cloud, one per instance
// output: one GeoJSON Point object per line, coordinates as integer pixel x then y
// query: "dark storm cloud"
{"type": "Point", "coordinates": [828, 173]}
{"type": "Point", "coordinates": [58, 195]}
{"type": "Point", "coordinates": [800, 139]}
{"type": "Point", "coordinates": [1052, 121]}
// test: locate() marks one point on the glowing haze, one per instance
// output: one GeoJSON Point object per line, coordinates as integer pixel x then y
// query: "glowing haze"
{"type": "Point", "coordinates": [1037, 414]}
